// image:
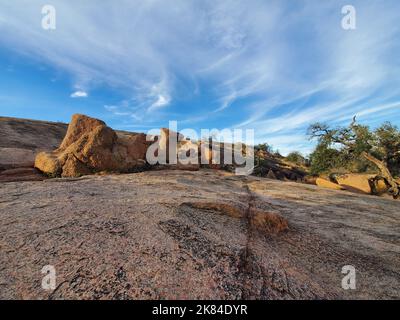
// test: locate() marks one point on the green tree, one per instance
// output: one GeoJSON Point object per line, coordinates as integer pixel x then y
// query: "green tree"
{"type": "Point", "coordinates": [380, 147]}
{"type": "Point", "coordinates": [387, 146]}
{"type": "Point", "coordinates": [297, 158]}
{"type": "Point", "coordinates": [324, 158]}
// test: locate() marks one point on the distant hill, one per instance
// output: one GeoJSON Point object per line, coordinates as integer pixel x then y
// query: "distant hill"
{"type": "Point", "coordinates": [31, 134]}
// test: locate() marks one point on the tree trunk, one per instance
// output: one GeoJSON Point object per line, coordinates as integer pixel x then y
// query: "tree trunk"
{"type": "Point", "coordinates": [394, 186]}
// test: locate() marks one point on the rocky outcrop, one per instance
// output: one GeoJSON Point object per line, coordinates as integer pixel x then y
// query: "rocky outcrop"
{"type": "Point", "coordinates": [268, 222]}
{"type": "Point", "coordinates": [31, 134]}
{"type": "Point", "coordinates": [11, 158]}
{"type": "Point", "coordinates": [370, 184]}
{"type": "Point", "coordinates": [22, 139]}
{"type": "Point", "coordinates": [79, 126]}
{"type": "Point", "coordinates": [21, 174]}
{"type": "Point", "coordinates": [188, 235]}
{"type": "Point", "coordinates": [265, 162]}
{"type": "Point", "coordinates": [356, 182]}
{"type": "Point", "coordinates": [183, 155]}
{"type": "Point", "coordinates": [48, 163]}
{"type": "Point", "coordinates": [379, 187]}
{"type": "Point", "coordinates": [320, 182]}
{"type": "Point", "coordinates": [310, 180]}
{"type": "Point", "coordinates": [89, 147]}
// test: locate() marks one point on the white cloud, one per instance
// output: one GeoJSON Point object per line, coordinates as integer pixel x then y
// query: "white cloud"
{"type": "Point", "coordinates": [162, 101]}
{"type": "Point", "coordinates": [79, 94]}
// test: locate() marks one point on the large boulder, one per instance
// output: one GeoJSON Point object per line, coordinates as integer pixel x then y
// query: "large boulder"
{"type": "Point", "coordinates": [356, 182]}
{"type": "Point", "coordinates": [320, 182]}
{"type": "Point", "coordinates": [73, 167]}
{"type": "Point", "coordinates": [90, 146]}
{"type": "Point", "coordinates": [380, 187]}
{"type": "Point", "coordinates": [135, 145]}
{"type": "Point", "coordinates": [79, 125]}
{"type": "Point", "coordinates": [310, 180]}
{"type": "Point", "coordinates": [95, 149]}
{"type": "Point", "coordinates": [183, 157]}
{"type": "Point", "coordinates": [48, 163]}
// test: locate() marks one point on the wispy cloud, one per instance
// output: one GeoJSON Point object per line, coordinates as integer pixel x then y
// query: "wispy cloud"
{"type": "Point", "coordinates": [79, 94]}
{"type": "Point", "coordinates": [162, 101]}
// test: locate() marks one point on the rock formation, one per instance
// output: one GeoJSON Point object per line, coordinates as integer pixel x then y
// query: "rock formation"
{"type": "Point", "coordinates": [268, 222]}
{"type": "Point", "coordinates": [206, 234]}
{"type": "Point", "coordinates": [356, 182]}
{"type": "Point", "coordinates": [21, 174]}
{"type": "Point", "coordinates": [89, 147]}
{"type": "Point", "coordinates": [320, 182]}
{"type": "Point", "coordinates": [22, 139]}
{"type": "Point", "coordinates": [165, 234]}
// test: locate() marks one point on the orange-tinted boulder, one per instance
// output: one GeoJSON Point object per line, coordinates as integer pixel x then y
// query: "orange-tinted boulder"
{"type": "Point", "coordinates": [79, 125]}
{"type": "Point", "coordinates": [327, 184]}
{"type": "Point", "coordinates": [356, 182]}
{"type": "Point", "coordinates": [48, 163]}
{"type": "Point", "coordinates": [74, 168]}
{"type": "Point", "coordinates": [90, 146]}
{"type": "Point", "coordinates": [380, 187]}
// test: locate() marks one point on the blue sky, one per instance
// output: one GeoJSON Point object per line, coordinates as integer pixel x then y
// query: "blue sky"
{"type": "Point", "coordinates": [271, 66]}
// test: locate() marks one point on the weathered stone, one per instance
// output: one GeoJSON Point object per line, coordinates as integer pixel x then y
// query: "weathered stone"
{"type": "Point", "coordinates": [381, 187]}
{"type": "Point", "coordinates": [16, 158]}
{"type": "Point", "coordinates": [310, 180]}
{"type": "Point", "coordinates": [74, 168]}
{"type": "Point", "coordinates": [48, 163]}
{"type": "Point", "coordinates": [90, 146]}
{"type": "Point", "coordinates": [33, 135]}
{"type": "Point", "coordinates": [136, 146]}
{"type": "Point", "coordinates": [133, 236]}
{"type": "Point", "coordinates": [79, 125]}
{"type": "Point", "coordinates": [356, 182]}
{"type": "Point", "coordinates": [21, 174]}
{"type": "Point", "coordinates": [95, 149]}
{"type": "Point", "coordinates": [268, 222]}
{"type": "Point", "coordinates": [188, 156]}
{"type": "Point", "coordinates": [179, 166]}
{"type": "Point", "coordinates": [327, 184]}
{"type": "Point", "coordinates": [234, 211]}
